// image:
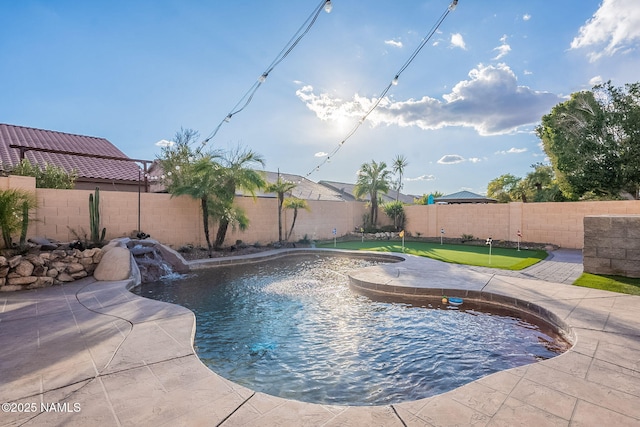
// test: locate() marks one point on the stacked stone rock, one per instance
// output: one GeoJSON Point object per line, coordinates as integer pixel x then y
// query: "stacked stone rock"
{"type": "Point", "coordinates": [47, 268]}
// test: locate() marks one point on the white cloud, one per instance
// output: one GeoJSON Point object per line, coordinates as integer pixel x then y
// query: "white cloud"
{"type": "Point", "coordinates": [490, 101]}
{"type": "Point", "coordinates": [164, 143]}
{"type": "Point", "coordinates": [321, 154]}
{"type": "Point", "coordinates": [458, 41]}
{"type": "Point", "coordinates": [422, 178]}
{"type": "Point", "coordinates": [512, 150]}
{"type": "Point", "coordinates": [393, 43]}
{"type": "Point", "coordinates": [526, 17]}
{"type": "Point", "coordinates": [503, 49]}
{"type": "Point", "coordinates": [613, 28]}
{"type": "Point", "coordinates": [595, 80]}
{"type": "Point", "coordinates": [474, 159]}
{"type": "Point", "coordinates": [451, 159]}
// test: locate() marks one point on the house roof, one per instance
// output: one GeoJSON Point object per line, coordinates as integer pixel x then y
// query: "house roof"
{"type": "Point", "coordinates": [305, 188]}
{"type": "Point", "coordinates": [465, 197]}
{"type": "Point", "coordinates": [86, 167]}
{"type": "Point", "coordinates": [347, 191]}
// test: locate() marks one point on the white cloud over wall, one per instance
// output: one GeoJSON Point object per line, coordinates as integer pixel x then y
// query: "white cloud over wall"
{"type": "Point", "coordinates": [458, 41]}
{"type": "Point", "coordinates": [422, 178]}
{"type": "Point", "coordinates": [394, 43]}
{"type": "Point", "coordinates": [490, 101]}
{"type": "Point", "coordinates": [451, 159]}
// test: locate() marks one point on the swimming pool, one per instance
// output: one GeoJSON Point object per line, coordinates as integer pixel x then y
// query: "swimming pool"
{"type": "Point", "coordinates": [292, 328]}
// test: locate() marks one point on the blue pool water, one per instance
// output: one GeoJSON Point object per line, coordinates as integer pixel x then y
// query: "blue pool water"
{"type": "Point", "coordinates": [292, 328]}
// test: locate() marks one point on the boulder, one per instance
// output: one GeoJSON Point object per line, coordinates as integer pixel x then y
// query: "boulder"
{"type": "Point", "coordinates": [24, 269]}
{"type": "Point", "coordinates": [64, 277]}
{"type": "Point", "coordinates": [14, 261]}
{"type": "Point", "coordinates": [114, 265]}
{"type": "Point", "coordinates": [22, 280]}
{"type": "Point", "coordinates": [74, 268]}
{"type": "Point", "coordinates": [44, 243]}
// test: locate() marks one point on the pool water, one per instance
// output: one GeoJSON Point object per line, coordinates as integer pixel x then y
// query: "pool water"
{"type": "Point", "coordinates": [292, 328]}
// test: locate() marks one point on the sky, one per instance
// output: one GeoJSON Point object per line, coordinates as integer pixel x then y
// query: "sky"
{"type": "Point", "coordinates": [463, 112]}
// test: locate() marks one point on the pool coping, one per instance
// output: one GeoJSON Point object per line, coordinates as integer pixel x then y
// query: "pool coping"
{"type": "Point", "coordinates": [129, 360]}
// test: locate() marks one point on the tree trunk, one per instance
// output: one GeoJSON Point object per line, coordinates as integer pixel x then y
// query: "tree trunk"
{"type": "Point", "coordinates": [222, 233]}
{"type": "Point", "coordinates": [295, 215]}
{"type": "Point", "coordinates": [374, 210]}
{"type": "Point", "coordinates": [280, 202]}
{"type": "Point", "coordinates": [205, 222]}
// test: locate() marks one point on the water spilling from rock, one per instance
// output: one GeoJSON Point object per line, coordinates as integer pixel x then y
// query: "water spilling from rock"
{"type": "Point", "coordinates": [155, 262]}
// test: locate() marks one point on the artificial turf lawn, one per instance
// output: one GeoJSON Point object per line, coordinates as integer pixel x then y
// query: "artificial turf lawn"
{"type": "Point", "coordinates": [625, 285]}
{"type": "Point", "coordinates": [505, 258]}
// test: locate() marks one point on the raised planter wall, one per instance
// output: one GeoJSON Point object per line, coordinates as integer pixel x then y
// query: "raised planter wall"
{"type": "Point", "coordinates": [49, 268]}
{"type": "Point", "coordinates": [612, 245]}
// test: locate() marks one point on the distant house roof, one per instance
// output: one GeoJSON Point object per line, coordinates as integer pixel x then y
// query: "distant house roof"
{"type": "Point", "coordinates": [305, 188]}
{"type": "Point", "coordinates": [347, 191]}
{"type": "Point", "coordinates": [464, 197]}
{"type": "Point", "coordinates": [88, 168]}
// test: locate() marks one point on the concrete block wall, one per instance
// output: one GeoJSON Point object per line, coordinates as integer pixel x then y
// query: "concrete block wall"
{"type": "Point", "coordinates": [555, 223]}
{"type": "Point", "coordinates": [612, 245]}
{"type": "Point", "coordinates": [178, 220]}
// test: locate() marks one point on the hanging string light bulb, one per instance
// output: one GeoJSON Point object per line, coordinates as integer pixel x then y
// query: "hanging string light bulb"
{"type": "Point", "coordinates": [394, 82]}
{"type": "Point", "coordinates": [328, 6]}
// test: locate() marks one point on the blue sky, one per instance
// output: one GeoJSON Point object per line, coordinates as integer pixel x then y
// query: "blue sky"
{"type": "Point", "coordinates": [463, 113]}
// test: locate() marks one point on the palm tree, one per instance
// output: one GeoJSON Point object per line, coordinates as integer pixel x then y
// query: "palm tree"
{"type": "Point", "coordinates": [295, 204]}
{"type": "Point", "coordinates": [280, 187]}
{"type": "Point", "coordinates": [236, 173]}
{"type": "Point", "coordinates": [373, 178]}
{"type": "Point", "coordinates": [191, 173]}
{"type": "Point", "coordinates": [399, 163]}
{"type": "Point", "coordinates": [198, 180]}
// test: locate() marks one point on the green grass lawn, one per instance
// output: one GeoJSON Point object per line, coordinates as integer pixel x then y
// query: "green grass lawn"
{"type": "Point", "coordinates": [625, 285]}
{"type": "Point", "coordinates": [505, 258]}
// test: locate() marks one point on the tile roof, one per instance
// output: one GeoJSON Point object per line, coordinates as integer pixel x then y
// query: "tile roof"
{"type": "Point", "coordinates": [346, 189]}
{"type": "Point", "coordinates": [86, 167]}
{"type": "Point", "coordinates": [465, 197]}
{"type": "Point", "coordinates": [305, 188]}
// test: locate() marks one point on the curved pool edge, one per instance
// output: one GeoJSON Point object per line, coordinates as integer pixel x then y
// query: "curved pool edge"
{"type": "Point", "coordinates": [148, 372]}
{"type": "Point", "coordinates": [279, 253]}
{"type": "Point", "coordinates": [554, 390]}
{"type": "Point", "coordinates": [470, 286]}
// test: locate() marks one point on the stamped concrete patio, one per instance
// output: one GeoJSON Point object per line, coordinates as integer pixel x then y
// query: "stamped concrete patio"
{"type": "Point", "coordinates": [118, 359]}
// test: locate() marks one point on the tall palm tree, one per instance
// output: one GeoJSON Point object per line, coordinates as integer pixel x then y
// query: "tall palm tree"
{"type": "Point", "coordinates": [191, 173]}
{"type": "Point", "coordinates": [280, 187]}
{"type": "Point", "coordinates": [399, 163]}
{"type": "Point", "coordinates": [236, 173]}
{"type": "Point", "coordinates": [295, 204]}
{"type": "Point", "coordinates": [373, 178]}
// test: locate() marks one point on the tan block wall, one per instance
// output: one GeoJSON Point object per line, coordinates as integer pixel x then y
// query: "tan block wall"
{"type": "Point", "coordinates": [556, 223]}
{"type": "Point", "coordinates": [177, 221]}
{"type": "Point", "coordinates": [15, 181]}
{"type": "Point", "coordinates": [317, 223]}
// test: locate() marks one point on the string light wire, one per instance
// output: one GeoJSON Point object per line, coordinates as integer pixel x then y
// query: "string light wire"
{"type": "Point", "coordinates": [246, 99]}
{"type": "Point", "coordinates": [393, 82]}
